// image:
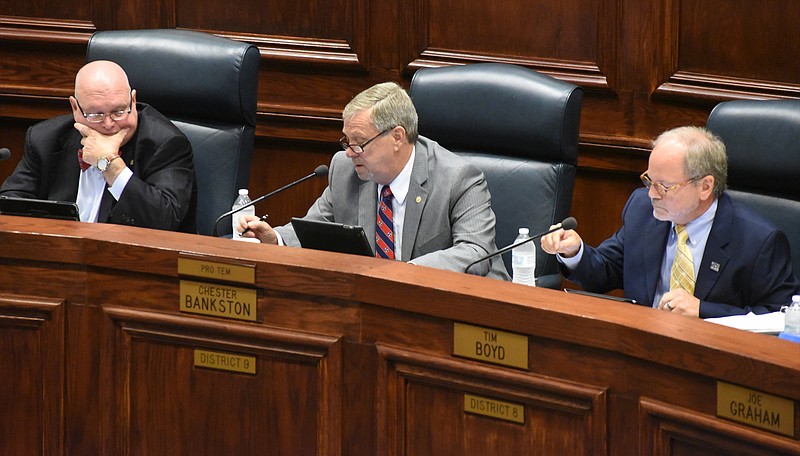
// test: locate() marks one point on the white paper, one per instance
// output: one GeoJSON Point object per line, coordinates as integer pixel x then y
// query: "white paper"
{"type": "Point", "coordinates": [770, 323]}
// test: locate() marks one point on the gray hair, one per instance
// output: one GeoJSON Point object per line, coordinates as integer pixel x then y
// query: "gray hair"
{"type": "Point", "coordinates": [391, 107]}
{"type": "Point", "coordinates": [705, 154]}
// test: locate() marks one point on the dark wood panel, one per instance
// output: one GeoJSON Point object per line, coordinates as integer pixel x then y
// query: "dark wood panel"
{"type": "Point", "coordinates": [355, 357]}
{"type": "Point", "coordinates": [678, 431]}
{"type": "Point", "coordinates": [426, 394]}
{"type": "Point", "coordinates": [746, 42]}
{"type": "Point", "coordinates": [32, 382]}
{"type": "Point", "coordinates": [157, 384]}
{"type": "Point", "coordinates": [565, 30]}
{"type": "Point", "coordinates": [746, 52]}
{"type": "Point", "coordinates": [563, 39]}
{"type": "Point", "coordinates": [332, 19]}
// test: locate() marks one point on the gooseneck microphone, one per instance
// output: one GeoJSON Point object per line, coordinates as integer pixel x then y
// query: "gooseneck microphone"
{"type": "Point", "coordinates": [568, 223]}
{"type": "Point", "coordinates": [320, 171]}
{"type": "Point", "coordinates": [5, 154]}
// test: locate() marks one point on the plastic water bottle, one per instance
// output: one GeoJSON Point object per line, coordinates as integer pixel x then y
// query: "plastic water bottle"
{"type": "Point", "coordinates": [241, 200]}
{"type": "Point", "coordinates": [523, 260]}
{"type": "Point", "coordinates": [791, 327]}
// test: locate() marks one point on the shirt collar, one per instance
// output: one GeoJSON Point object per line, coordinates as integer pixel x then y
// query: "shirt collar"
{"type": "Point", "coordinates": [701, 225]}
{"type": "Point", "coordinates": [401, 183]}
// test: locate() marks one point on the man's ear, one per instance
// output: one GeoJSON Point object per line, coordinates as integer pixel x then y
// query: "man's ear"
{"type": "Point", "coordinates": [707, 186]}
{"type": "Point", "coordinates": [399, 134]}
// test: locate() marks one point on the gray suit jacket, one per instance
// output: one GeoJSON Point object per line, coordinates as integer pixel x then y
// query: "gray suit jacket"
{"type": "Point", "coordinates": [449, 220]}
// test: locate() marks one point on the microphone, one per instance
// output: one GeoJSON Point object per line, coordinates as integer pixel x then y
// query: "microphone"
{"type": "Point", "coordinates": [568, 223]}
{"type": "Point", "coordinates": [320, 170]}
{"type": "Point", "coordinates": [5, 154]}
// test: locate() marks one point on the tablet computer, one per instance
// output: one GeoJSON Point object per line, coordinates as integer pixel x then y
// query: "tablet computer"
{"type": "Point", "coordinates": [333, 237]}
{"type": "Point", "coordinates": [599, 295]}
{"type": "Point", "coordinates": [63, 210]}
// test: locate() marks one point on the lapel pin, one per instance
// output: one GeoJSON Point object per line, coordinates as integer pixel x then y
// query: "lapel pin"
{"type": "Point", "coordinates": [715, 266]}
{"type": "Point", "coordinates": [419, 199]}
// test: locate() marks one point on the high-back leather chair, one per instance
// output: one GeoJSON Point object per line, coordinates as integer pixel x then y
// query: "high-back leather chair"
{"type": "Point", "coordinates": [521, 128]}
{"type": "Point", "coordinates": [208, 86]}
{"type": "Point", "coordinates": [762, 138]}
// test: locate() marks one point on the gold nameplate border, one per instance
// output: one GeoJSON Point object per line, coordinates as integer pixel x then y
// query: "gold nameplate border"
{"type": "Point", "coordinates": [755, 408]}
{"type": "Point", "coordinates": [206, 269]}
{"type": "Point", "coordinates": [493, 408]}
{"type": "Point", "coordinates": [490, 345]}
{"type": "Point", "coordinates": [208, 359]}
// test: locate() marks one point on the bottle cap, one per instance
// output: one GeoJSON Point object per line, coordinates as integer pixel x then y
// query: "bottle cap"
{"type": "Point", "coordinates": [243, 191]}
{"type": "Point", "coordinates": [523, 231]}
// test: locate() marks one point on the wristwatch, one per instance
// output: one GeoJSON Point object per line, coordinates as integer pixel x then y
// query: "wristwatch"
{"type": "Point", "coordinates": [103, 163]}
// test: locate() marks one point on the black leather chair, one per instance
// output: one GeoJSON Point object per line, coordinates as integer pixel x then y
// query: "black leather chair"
{"type": "Point", "coordinates": [763, 142]}
{"type": "Point", "coordinates": [208, 86]}
{"type": "Point", "coordinates": [521, 128]}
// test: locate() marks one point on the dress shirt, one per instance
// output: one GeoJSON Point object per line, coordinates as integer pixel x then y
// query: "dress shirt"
{"type": "Point", "coordinates": [698, 230]}
{"type": "Point", "coordinates": [399, 188]}
{"type": "Point", "coordinates": [90, 191]}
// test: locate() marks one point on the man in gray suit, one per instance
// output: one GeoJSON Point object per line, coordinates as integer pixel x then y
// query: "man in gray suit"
{"type": "Point", "coordinates": [440, 208]}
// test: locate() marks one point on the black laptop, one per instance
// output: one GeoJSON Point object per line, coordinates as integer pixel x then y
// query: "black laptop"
{"type": "Point", "coordinates": [27, 207]}
{"type": "Point", "coordinates": [332, 237]}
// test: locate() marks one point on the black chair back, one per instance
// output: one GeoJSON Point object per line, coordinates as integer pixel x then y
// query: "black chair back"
{"type": "Point", "coordinates": [208, 86]}
{"type": "Point", "coordinates": [762, 138]}
{"type": "Point", "coordinates": [521, 128]}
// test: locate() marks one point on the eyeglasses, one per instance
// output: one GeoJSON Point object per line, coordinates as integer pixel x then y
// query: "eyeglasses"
{"type": "Point", "coordinates": [359, 148]}
{"type": "Point", "coordinates": [661, 189]}
{"type": "Point", "coordinates": [97, 117]}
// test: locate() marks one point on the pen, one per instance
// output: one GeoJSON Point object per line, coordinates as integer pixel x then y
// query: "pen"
{"type": "Point", "coordinates": [263, 219]}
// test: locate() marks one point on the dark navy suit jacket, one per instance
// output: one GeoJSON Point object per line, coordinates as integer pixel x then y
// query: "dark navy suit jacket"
{"type": "Point", "coordinates": [161, 193]}
{"type": "Point", "coordinates": [746, 266]}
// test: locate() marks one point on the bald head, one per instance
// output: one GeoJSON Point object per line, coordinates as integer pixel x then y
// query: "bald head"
{"type": "Point", "coordinates": [102, 87]}
{"type": "Point", "coordinates": [101, 78]}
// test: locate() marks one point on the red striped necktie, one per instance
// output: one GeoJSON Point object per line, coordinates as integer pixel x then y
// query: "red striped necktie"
{"type": "Point", "coordinates": [384, 230]}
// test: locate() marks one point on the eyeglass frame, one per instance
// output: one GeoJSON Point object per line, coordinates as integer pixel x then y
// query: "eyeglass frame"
{"type": "Point", "coordinates": [661, 188]}
{"type": "Point", "coordinates": [359, 148]}
{"type": "Point", "coordinates": [122, 114]}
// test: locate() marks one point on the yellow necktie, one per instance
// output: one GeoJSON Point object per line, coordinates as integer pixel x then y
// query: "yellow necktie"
{"type": "Point", "coordinates": [682, 275]}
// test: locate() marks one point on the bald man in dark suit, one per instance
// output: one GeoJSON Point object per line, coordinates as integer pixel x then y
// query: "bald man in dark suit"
{"type": "Point", "coordinates": [123, 162]}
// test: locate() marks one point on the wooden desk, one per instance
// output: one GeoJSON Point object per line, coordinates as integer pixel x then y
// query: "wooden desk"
{"type": "Point", "coordinates": [352, 356]}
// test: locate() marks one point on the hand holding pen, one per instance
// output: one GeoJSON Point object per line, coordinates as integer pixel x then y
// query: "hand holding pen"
{"type": "Point", "coordinates": [262, 219]}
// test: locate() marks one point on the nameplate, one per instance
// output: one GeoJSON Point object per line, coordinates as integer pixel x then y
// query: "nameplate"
{"type": "Point", "coordinates": [490, 345]}
{"type": "Point", "coordinates": [218, 300]}
{"type": "Point", "coordinates": [205, 269]}
{"type": "Point", "coordinates": [502, 410]}
{"type": "Point", "coordinates": [755, 408]}
{"type": "Point", "coordinates": [225, 361]}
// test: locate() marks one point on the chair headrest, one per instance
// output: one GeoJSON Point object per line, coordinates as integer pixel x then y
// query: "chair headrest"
{"type": "Point", "coordinates": [499, 108]}
{"type": "Point", "coordinates": [184, 73]}
{"type": "Point", "coordinates": [762, 138]}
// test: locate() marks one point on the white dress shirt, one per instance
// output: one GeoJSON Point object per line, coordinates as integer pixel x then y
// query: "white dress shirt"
{"type": "Point", "coordinates": [90, 191]}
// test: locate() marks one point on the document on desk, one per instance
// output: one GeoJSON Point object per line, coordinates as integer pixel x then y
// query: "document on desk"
{"type": "Point", "coordinates": [769, 323]}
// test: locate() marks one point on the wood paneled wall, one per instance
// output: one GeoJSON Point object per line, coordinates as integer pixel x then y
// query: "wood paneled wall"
{"type": "Point", "coordinates": [646, 66]}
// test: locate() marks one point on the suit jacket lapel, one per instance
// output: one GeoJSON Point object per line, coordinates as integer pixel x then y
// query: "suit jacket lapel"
{"type": "Point", "coordinates": [715, 256]}
{"type": "Point", "coordinates": [65, 183]}
{"type": "Point", "coordinates": [368, 209]}
{"type": "Point", "coordinates": [656, 238]}
{"type": "Point", "coordinates": [416, 189]}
